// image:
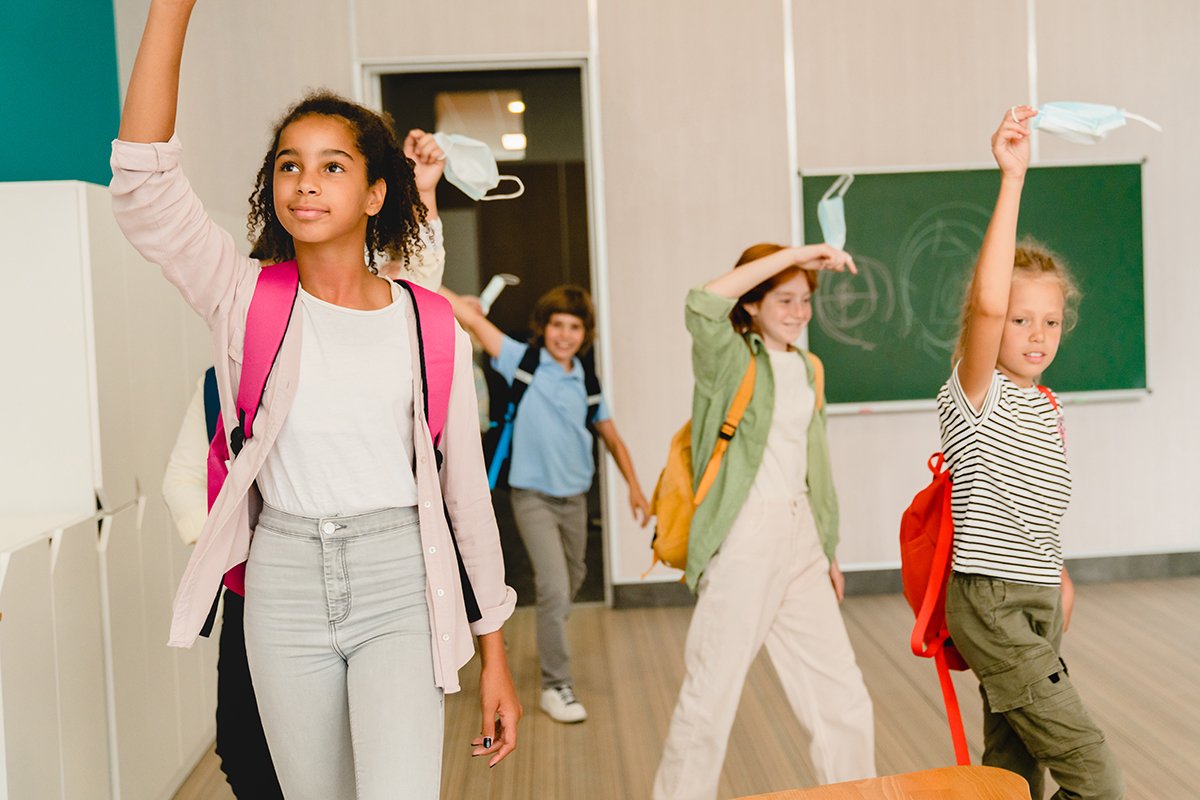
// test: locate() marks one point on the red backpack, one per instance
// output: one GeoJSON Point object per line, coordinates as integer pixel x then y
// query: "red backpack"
{"type": "Point", "coordinates": [926, 550]}
{"type": "Point", "coordinates": [266, 323]}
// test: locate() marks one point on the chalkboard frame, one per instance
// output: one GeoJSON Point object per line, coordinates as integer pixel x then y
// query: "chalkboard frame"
{"type": "Point", "coordinates": [810, 232]}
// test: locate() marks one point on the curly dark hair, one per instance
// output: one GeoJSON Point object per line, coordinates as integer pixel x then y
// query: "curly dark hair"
{"type": "Point", "coordinates": [395, 230]}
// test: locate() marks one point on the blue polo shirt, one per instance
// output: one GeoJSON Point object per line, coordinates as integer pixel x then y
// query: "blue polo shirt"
{"type": "Point", "coordinates": [552, 447]}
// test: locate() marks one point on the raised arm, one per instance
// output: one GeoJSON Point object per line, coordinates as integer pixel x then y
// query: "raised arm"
{"type": "Point", "coordinates": [470, 316]}
{"type": "Point", "coordinates": [152, 200]}
{"type": "Point", "coordinates": [153, 95]}
{"type": "Point", "coordinates": [987, 306]}
{"type": "Point", "coordinates": [739, 280]}
{"type": "Point", "coordinates": [428, 264]}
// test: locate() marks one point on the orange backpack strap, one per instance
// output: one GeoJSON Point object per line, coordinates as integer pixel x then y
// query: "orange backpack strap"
{"type": "Point", "coordinates": [818, 370]}
{"type": "Point", "coordinates": [737, 410]}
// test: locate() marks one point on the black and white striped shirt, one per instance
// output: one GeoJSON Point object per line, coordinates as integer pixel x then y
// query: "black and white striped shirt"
{"type": "Point", "coordinates": [1012, 484]}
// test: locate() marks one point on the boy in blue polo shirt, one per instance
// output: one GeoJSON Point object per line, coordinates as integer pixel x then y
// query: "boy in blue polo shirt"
{"type": "Point", "coordinates": [551, 466]}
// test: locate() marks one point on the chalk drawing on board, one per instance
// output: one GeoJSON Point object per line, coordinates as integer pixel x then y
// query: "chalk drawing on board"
{"type": "Point", "coordinates": [935, 261]}
{"type": "Point", "coordinates": [851, 308]}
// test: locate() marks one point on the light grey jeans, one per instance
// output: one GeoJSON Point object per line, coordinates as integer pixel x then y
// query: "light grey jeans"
{"type": "Point", "coordinates": [554, 530]}
{"type": "Point", "coordinates": [337, 635]}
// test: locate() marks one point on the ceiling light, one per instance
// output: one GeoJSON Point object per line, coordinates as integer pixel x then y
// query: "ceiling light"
{"type": "Point", "coordinates": [513, 141]}
{"type": "Point", "coordinates": [516, 107]}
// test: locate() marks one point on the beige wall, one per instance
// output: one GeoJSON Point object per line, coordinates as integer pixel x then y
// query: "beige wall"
{"type": "Point", "coordinates": [692, 135]}
{"type": "Point", "coordinates": [469, 29]}
{"type": "Point", "coordinates": [694, 120]}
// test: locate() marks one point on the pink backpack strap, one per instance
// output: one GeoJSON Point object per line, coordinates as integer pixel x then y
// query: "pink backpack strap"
{"type": "Point", "coordinates": [435, 332]}
{"type": "Point", "coordinates": [218, 455]}
{"type": "Point", "coordinates": [266, 323]}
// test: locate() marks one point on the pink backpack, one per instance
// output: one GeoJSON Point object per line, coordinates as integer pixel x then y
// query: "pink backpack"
{"type": "Point", "coordinates": [266, 323]}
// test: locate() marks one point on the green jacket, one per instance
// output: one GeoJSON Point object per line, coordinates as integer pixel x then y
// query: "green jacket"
{"type": "Point", "coordinates": [719, 358]}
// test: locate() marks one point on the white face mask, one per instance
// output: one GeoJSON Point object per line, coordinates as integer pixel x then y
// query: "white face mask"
{"type": "Point", "coordinates": [831, 212]}
{"type": "Point", "coordinates": [471, 167]}
{"type": "Point", "coordinates": [1084, 123]}
{"type": "Point", "coordinates": [493, 289]}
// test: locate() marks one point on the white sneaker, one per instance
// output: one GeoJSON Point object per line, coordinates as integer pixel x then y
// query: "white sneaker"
{"type": "Point", "coordinates": [560, 703]}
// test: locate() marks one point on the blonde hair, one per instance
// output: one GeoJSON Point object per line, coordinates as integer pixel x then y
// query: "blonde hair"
{"type": "Point", "coordinates": [1031, 260]}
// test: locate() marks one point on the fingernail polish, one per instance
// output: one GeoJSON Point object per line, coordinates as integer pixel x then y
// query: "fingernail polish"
{"type": "Point", "coordinates": [487, 741]}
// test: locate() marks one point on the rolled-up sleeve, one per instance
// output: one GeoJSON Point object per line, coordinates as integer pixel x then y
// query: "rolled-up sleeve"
{"type": "Point", "coordinates": [469, 501]}
{"type": "Point", "coordinates": [165, 221]}
{"type": "Point", "coordinates": [185, 481]}
{"type": "Point", "coordinates": [428, 265]}
{"type": "Point", "coordinates": [511, 353]}
{"type": "Point", "coordinates": [713, 338]}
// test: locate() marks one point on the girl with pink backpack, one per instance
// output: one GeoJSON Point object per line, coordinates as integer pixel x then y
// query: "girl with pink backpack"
{"type": "Point", "coordinates": [355, 514]}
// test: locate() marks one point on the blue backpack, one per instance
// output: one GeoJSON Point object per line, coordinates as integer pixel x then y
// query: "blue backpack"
{"type": "Point", "coordinates": [497, 441]}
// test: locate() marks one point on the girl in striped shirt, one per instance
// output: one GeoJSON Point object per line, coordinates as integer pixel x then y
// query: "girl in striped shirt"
{"type": "Point", "coordinates": [1009, 598]}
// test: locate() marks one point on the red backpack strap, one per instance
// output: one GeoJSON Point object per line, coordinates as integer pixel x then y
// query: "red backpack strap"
{"type": "Point", "coordinates": [436, 335]}
{"type": "Point", "coordinates": [1049, 396]}
{"type": "Point", "coordinates": [266, 323]}
{"type": "Point", "coordinates": [936, 588]}
{"type": "Point", "coordinates": [934, 592]}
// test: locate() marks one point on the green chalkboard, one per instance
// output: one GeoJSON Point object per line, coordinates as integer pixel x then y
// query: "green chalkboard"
{"type": "Point", "coordinates": [888, 333]}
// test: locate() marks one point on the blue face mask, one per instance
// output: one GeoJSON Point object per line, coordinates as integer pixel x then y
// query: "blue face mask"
{"type": "Point", "coordinates": [831, 212]}
{"type": "Point", "coordinates": [471, 167]}
{"type": "Point", "coordinates": [1084, 123]}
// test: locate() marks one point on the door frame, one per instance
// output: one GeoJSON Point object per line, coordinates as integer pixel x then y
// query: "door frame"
{"type": "Point", "coordinates": [368, 78]}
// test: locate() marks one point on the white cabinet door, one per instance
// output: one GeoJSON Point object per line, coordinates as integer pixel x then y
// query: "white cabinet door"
{"type": "Point", "coordinates": [83, 711]}
{"type": "Point", "coordinates": [28, 685]}
{"type": "Point", "coordinates": [111, 263]}
{"type": "Point", "coordinates": [146, 715]}
{"type": "Point", "coordinates": [45, 327]}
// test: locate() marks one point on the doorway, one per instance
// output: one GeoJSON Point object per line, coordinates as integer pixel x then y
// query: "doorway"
{"type": "Point", "coordinates": [534, 121]}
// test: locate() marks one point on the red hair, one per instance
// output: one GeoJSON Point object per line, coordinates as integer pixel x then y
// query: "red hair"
{"type": "Point", "coordinates": [740, 317]}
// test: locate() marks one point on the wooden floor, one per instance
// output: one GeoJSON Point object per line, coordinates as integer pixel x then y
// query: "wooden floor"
{"type": "Point", "coordinates": [1133, 649]}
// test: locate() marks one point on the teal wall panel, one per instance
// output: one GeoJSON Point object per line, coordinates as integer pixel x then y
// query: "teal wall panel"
{"type": "Point", "coordinates": [59, 99]}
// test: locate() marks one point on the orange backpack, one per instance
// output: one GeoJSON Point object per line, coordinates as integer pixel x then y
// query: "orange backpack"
{"type": "Point", "coordinates": [674, 502]}
{"type": "Point", "coordinates": [926, 550]}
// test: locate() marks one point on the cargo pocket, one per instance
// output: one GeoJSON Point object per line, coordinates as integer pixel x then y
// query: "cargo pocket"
{"type": "Point", "coordinates": [1009, 684]}
{"type": "Point", "coordinates": [1036, 696]}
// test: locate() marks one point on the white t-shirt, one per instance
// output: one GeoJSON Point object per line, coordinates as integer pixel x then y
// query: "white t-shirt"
{"type": "Point", "coordinates": [783, 473]}
{"type": "Point", "coordinates": [1011, 481]}
{"type": "Point", "coordinates": [346, 446]}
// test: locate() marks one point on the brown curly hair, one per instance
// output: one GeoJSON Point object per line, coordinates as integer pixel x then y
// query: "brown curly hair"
{"type": "Point", "coordinates": [573, 300]}
{"type": "Point", "coordinates": [395, 230]}
{"type": "Point", "coordinates": [740, 317]}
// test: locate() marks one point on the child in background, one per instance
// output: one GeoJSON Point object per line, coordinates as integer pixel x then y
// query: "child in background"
{"type": "Point", "coordinates": [338, 495]}
{"type": "Point", "coordinates": [761, 551]}
{"type": "Point", "coordinates": [552, 468]}
{"type": "Point", "coordinates": [1009, 598]}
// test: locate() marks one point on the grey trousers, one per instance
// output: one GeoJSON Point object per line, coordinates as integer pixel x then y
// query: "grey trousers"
{"type": "Point", "coordinates": [554, 530]}
{"type": "Point", "coordinates": [337, 635]}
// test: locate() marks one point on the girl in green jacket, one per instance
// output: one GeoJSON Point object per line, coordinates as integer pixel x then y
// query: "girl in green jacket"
{"type": "Point", "coordinates": [761, 548]}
